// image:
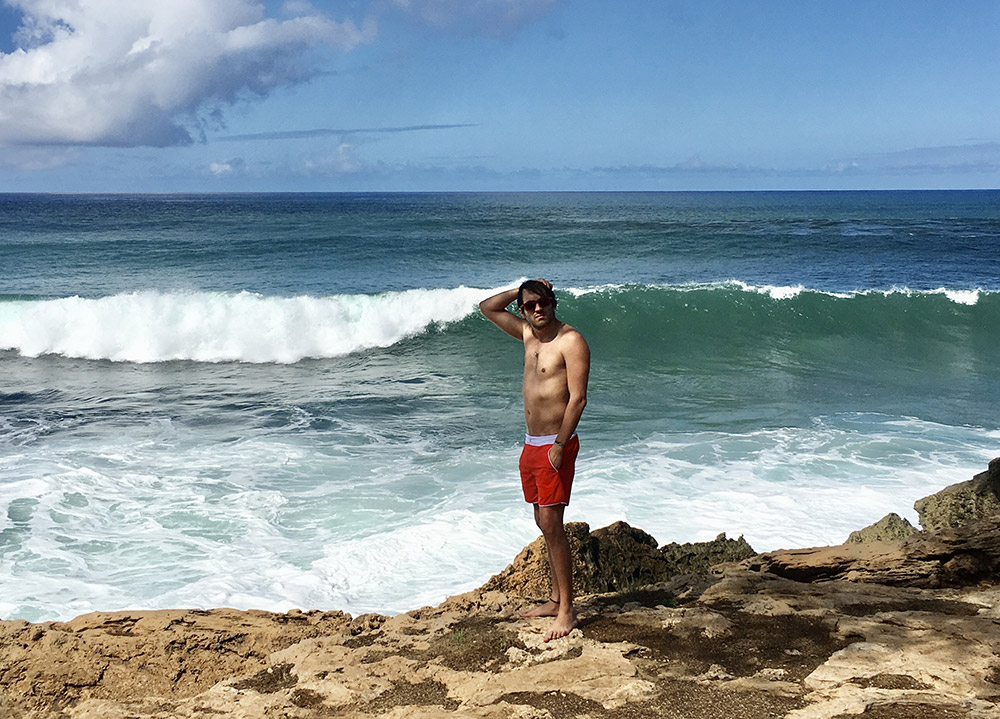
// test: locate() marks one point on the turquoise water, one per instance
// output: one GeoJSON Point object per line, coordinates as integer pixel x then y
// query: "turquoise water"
{"type": "Point", "coordinates": [289, 400]}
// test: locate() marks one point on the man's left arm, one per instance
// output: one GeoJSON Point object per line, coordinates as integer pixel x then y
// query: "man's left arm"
{"type": "Point", "coordinates": [577, 356]}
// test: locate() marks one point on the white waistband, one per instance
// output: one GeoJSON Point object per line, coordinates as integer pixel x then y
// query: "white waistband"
{"type": "Point", "coordinates": [540, 440]}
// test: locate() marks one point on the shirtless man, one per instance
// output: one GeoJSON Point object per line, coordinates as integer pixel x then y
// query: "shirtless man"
{"type": "Point", "coordinates": [556, 369]}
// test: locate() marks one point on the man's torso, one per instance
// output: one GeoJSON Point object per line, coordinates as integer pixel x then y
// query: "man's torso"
{"type": "Point", "coordinates": [546, 390]}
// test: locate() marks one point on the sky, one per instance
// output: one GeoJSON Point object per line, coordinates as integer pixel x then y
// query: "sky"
{"type": "Point", "coordinates": [497, 95]}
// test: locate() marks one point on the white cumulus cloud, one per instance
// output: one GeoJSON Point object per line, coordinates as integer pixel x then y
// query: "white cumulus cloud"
{"type": "Point", "coordinates": [149, 72]}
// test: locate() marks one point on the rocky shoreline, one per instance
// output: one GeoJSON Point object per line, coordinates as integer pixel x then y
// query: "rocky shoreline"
{"type": "Point", "coordinates": [896, 623]}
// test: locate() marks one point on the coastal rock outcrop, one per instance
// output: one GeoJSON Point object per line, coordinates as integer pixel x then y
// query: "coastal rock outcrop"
{"type": "Point", "coordinates": [116, 655]}
{"type": "Point", "coordinates": [949, 558]}
{"type": "Point", "coordinates": [890, 528]}
{"type": "Point", "coordinates": [700, 557]}
{"type": "Point", "coordinates": [962, 550]}
{"type": "Point", "coordinates": [615, 558]}
{"type": "Point", "coordinates": [963, 503]}
{"type": "Point", "coordinates": [752, 646]}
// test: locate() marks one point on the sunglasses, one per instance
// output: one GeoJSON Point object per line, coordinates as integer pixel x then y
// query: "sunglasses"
{"type": "Point", "coordinates": [532, 305]}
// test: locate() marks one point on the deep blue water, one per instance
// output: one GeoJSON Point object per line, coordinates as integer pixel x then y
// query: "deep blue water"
{"type": "Point", "coordinates": [322, 244]}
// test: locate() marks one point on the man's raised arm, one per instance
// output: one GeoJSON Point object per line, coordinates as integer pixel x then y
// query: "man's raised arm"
{"type": "Point", "coordinates": [495, 310]}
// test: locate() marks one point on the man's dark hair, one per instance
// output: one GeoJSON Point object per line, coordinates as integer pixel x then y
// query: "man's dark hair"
{"type": "Point", "coordinates": [535, 287]}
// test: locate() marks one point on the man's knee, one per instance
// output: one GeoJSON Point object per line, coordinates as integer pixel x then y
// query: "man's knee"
{"type": "Point", "coordinates": [550, 520]}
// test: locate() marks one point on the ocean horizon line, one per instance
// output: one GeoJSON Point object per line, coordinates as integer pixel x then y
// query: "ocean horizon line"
{"type": "Point", "coordinates": [257, 193]}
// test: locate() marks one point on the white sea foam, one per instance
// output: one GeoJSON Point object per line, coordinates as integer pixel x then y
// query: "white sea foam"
{"type": "Point", "coordinates": [958, 296]}
{"type": "Point", "coordinates": [163, 516]}
{"type": "Point", "coordinates": [775, 292]}
{"type": "Point", "coordinates": [785, 487]}
{"type": "Point", "coordinates": [961, 297]}
{"type": "Point", "coordinates": [581, 291]}
{"type": "Point", "coordinates": [160, 516]}
{"type": "Point", "coordinates": [219, 327]}
{"type": "Point", "coordinates": [784, 292]}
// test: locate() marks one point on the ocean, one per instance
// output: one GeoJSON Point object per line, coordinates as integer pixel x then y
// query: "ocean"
{"type": "Point", "coordinates": [290, 400]}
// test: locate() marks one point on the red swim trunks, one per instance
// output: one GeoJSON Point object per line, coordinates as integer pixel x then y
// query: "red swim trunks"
{"type": "Point", "coordinates": [542, 484]}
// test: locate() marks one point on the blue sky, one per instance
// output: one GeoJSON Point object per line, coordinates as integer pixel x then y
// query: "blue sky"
{"type": "Point", "coordinates": [387, 95]}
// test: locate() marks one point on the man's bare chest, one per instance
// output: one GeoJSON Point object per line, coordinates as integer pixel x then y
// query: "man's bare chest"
{"type": "Point", "coordinates": [543, 361]}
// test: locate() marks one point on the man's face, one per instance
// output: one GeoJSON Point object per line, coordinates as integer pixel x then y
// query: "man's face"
{"type": "Point", "coordinates": [538, 310]}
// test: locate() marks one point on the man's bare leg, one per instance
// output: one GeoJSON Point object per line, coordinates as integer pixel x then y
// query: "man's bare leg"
{"type": "Point", "coordinates": [551, 607]}
{"type": "Point", "coordinates": [550, 520]}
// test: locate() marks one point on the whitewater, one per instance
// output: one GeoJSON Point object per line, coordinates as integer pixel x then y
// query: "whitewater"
{"type": "Point", "coordinates": [220, 327]}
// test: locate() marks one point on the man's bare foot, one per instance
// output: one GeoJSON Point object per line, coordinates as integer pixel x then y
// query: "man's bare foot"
{"type": "Point", "coordinates": [563, 625]}
{"type": "Point", "coordinates": [549, 609]}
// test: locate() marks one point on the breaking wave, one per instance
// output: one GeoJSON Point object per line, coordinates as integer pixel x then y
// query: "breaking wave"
{"type": "Point", "coordinates": [248, 327]}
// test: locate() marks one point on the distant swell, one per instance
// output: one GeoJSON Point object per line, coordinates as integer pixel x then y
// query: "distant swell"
{"type": "Point", "coordinates": [223, 327]}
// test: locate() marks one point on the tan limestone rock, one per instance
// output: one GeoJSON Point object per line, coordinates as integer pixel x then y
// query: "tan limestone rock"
{"type": "Point", "coordinates": [700, 557]}
{"type": "Point", "coordinates": [117, 655]}
{"type": "Point", "coordinates": [891, 528]}
{"type": "Point", "coordinates": [950, 557]}
{"type": "Point", "coordinates": [964, 503]}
